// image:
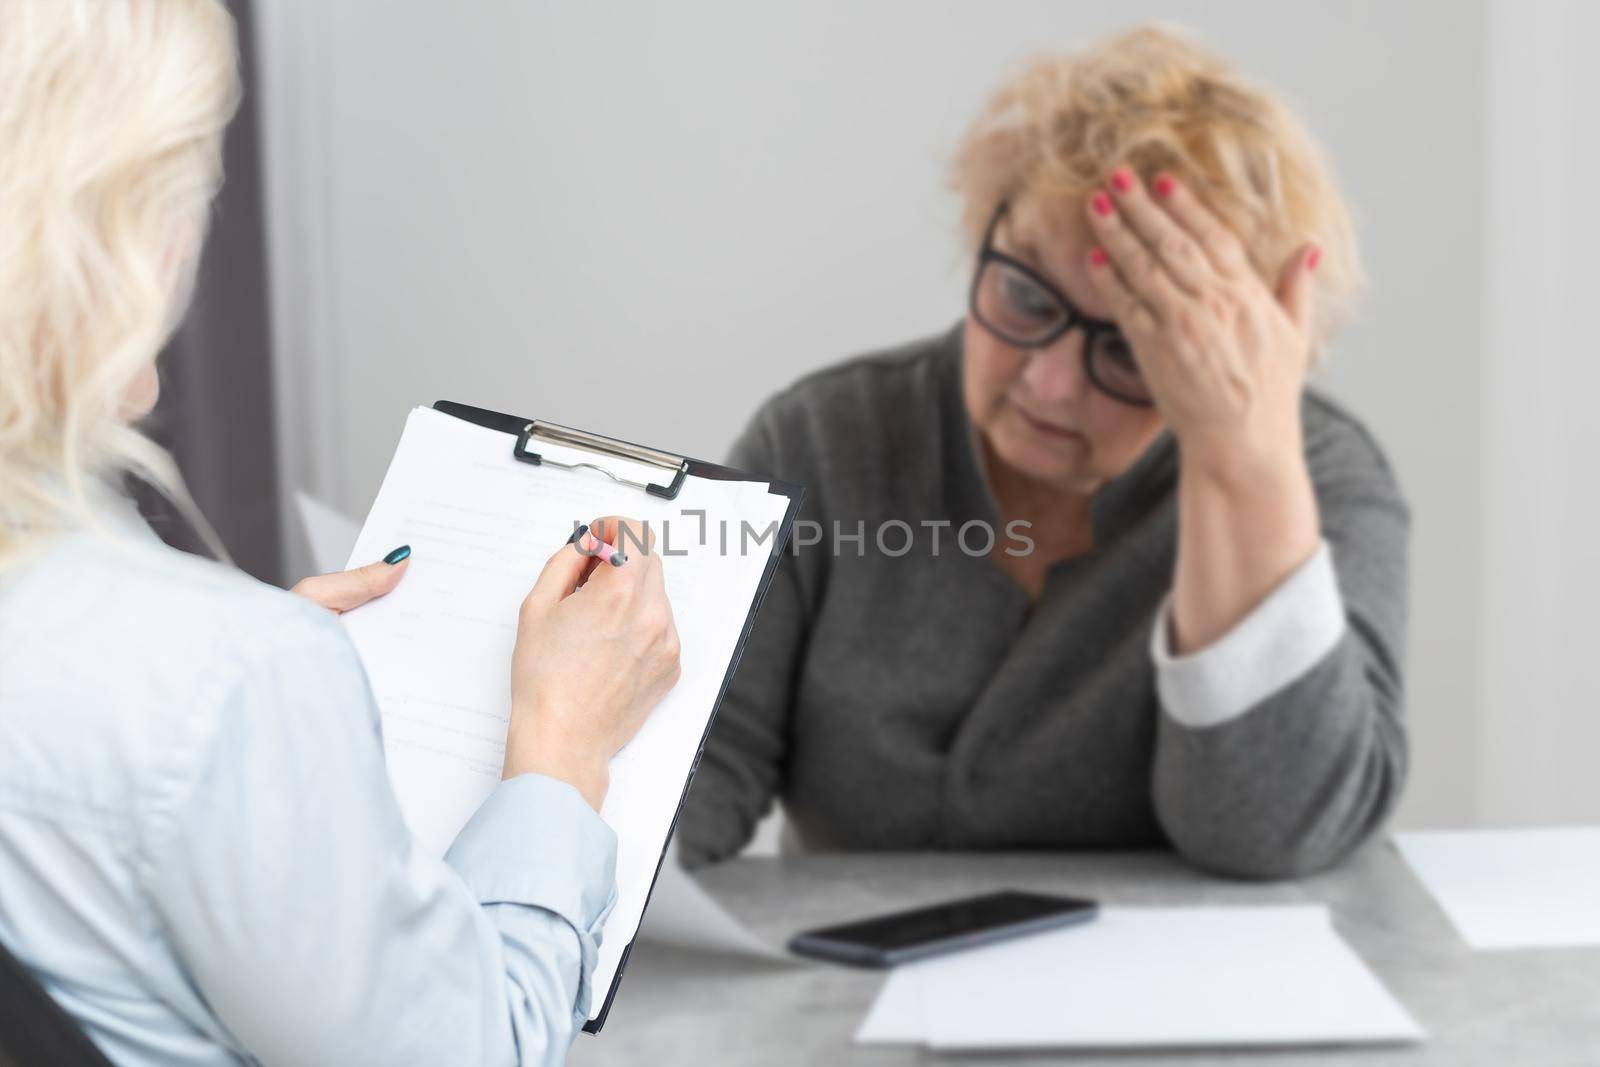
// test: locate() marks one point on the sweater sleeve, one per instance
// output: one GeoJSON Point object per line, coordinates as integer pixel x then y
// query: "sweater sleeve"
{"type": "Point", "coordinates": [1296, 780]}
{"type": "Point", "coordinates": [1282, 638]}
{"type": "Point", "coordinates": [743, 766]}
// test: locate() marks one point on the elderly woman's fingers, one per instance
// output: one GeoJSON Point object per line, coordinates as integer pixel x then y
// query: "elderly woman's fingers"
{"type": "Point", "coordinates": [1222, 249]}
{"type": "Point", "coordinates": [1171, 244]}
{"type": "Point", "coordinates": [1297, 290]}
{"type": "Point", "coordinates": [1131, 313]}
{"type": "Point", "coordinates": [1140, 269]}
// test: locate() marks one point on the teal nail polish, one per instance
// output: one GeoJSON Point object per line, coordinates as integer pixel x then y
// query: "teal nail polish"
{"type": "Point", "coordinates": [403, 552]}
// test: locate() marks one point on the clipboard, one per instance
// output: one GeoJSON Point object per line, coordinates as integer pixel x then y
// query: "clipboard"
{"type": "Point", "coordinates": [526, 436]}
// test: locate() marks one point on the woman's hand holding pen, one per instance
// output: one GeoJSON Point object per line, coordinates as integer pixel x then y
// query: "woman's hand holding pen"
{"type": "Point", "coordinates": [596, 651]}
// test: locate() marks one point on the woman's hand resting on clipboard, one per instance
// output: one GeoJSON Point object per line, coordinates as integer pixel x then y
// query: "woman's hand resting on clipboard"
{"type": "Point", "coordinates": [344, 591]}
{"type": "Point", "coordinates": [596, 651]}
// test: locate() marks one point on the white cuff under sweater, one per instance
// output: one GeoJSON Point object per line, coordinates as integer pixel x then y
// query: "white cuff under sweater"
{"type": "Point", "coordinates": [1281, 639]}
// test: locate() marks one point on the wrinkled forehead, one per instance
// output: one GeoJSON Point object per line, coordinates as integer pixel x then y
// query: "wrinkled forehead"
{"type": "Point", "coordinates": [1048, 232]}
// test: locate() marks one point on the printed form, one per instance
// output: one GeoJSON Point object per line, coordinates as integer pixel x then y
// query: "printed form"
{"type": "Point", "coordinates": [438, 649]}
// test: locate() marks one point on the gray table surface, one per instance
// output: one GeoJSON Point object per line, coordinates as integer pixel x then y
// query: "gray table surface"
{"type": "Point", "coordinates": [1532, 1007]}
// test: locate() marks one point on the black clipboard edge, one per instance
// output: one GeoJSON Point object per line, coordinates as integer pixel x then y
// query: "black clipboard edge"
{"type": "Point", "coordinates": [513, 425]}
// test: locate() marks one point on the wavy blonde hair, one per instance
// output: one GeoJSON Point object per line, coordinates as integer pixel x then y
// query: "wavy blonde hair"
{"type": "Point", "coordinates": [1154, 99]}
{"type": "Point", "coordinates": [111, 116]}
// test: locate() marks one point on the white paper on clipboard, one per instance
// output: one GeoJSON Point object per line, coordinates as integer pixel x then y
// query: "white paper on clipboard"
{"type": "Point", "coordinates": [438, 649]}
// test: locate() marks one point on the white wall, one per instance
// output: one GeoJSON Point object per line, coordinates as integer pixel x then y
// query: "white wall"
{"type": "Point", "coordinates": [488, 201]}
{"type": "Point", "coordinates": [1541, 730]}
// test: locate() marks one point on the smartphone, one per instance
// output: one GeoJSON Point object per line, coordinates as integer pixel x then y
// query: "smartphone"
{"type": "Point", "coordinates": [913, 935]}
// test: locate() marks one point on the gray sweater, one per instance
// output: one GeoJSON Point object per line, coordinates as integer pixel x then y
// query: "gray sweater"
{"type": "Point", "coordinates": [917, 701]}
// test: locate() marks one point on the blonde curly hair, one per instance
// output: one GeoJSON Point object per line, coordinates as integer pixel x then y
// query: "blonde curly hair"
{"type": "Point", "coordinates": [111, 115]}
{"type": "Point", "coordinates": [1155, 100]}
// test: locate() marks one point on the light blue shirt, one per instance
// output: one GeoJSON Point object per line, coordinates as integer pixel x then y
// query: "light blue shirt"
{"type": "Point", "coordinates": [200, 855]}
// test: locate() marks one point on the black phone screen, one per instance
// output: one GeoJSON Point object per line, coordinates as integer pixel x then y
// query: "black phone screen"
{"type": "Point", "coordinates": [957, 919]}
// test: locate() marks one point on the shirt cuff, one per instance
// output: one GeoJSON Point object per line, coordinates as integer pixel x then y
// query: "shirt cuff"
{"type": "Point", "coordinates": [535, 841]}
{"type": "Point", "coordinates": [1285, 635]}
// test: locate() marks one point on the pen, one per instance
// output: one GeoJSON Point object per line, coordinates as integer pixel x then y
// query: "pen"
{"type": "Point", "coordinates": [601, 550]}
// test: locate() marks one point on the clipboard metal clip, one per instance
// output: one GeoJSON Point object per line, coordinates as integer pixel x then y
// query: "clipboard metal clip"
{"type": "Point", "coordinates": [603, 446]}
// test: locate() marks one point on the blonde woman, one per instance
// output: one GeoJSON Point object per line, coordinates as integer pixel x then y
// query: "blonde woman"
{"type": "Point", "coordinates": [1093, 569]}
{"type": "Point", "coordinates": [200, 857]}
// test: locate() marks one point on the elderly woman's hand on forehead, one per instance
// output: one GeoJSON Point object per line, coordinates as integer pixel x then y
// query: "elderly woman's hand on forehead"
{"type": "Point", "coordinates": [1224, 356]}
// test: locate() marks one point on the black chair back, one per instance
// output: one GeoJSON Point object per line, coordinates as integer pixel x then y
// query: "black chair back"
{"type": "Point", "coordinates": [34, 1029]}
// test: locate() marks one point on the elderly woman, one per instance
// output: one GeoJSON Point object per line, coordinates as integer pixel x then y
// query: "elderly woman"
{"type": "Point", "coordinates": [1093, 569]}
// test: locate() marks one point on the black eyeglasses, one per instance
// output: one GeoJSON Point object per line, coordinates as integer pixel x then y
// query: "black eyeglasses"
{"type": "Point", "coordinates": [1015, 304]}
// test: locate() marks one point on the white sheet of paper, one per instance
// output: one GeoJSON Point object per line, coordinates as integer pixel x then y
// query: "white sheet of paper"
{"type": "Point", "coordinates": [896, 1016]}
{"type": "Point", "coordinates": [1147, 977]}
{"type": "Point", "coordinates": [330, 534]}
{"type": "Point", "coordinates": [438, 649]}
{"type": "Point", "coordinates": [1537, 888]}
{"type": "Point", "coordinates": [686, 916]}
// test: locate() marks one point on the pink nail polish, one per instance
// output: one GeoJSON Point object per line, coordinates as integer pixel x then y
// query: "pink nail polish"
{"type": "Point", "coordinates": [1097, 256]}
{"type": "Point", "coordinates": [1165, 185]}
{"type": "Point", "coordinates": [1313, 257]}
{"type": "Point", "coordinates": [1122, 179]}
{"type": "Point", "coordinates": [1101, 204]}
